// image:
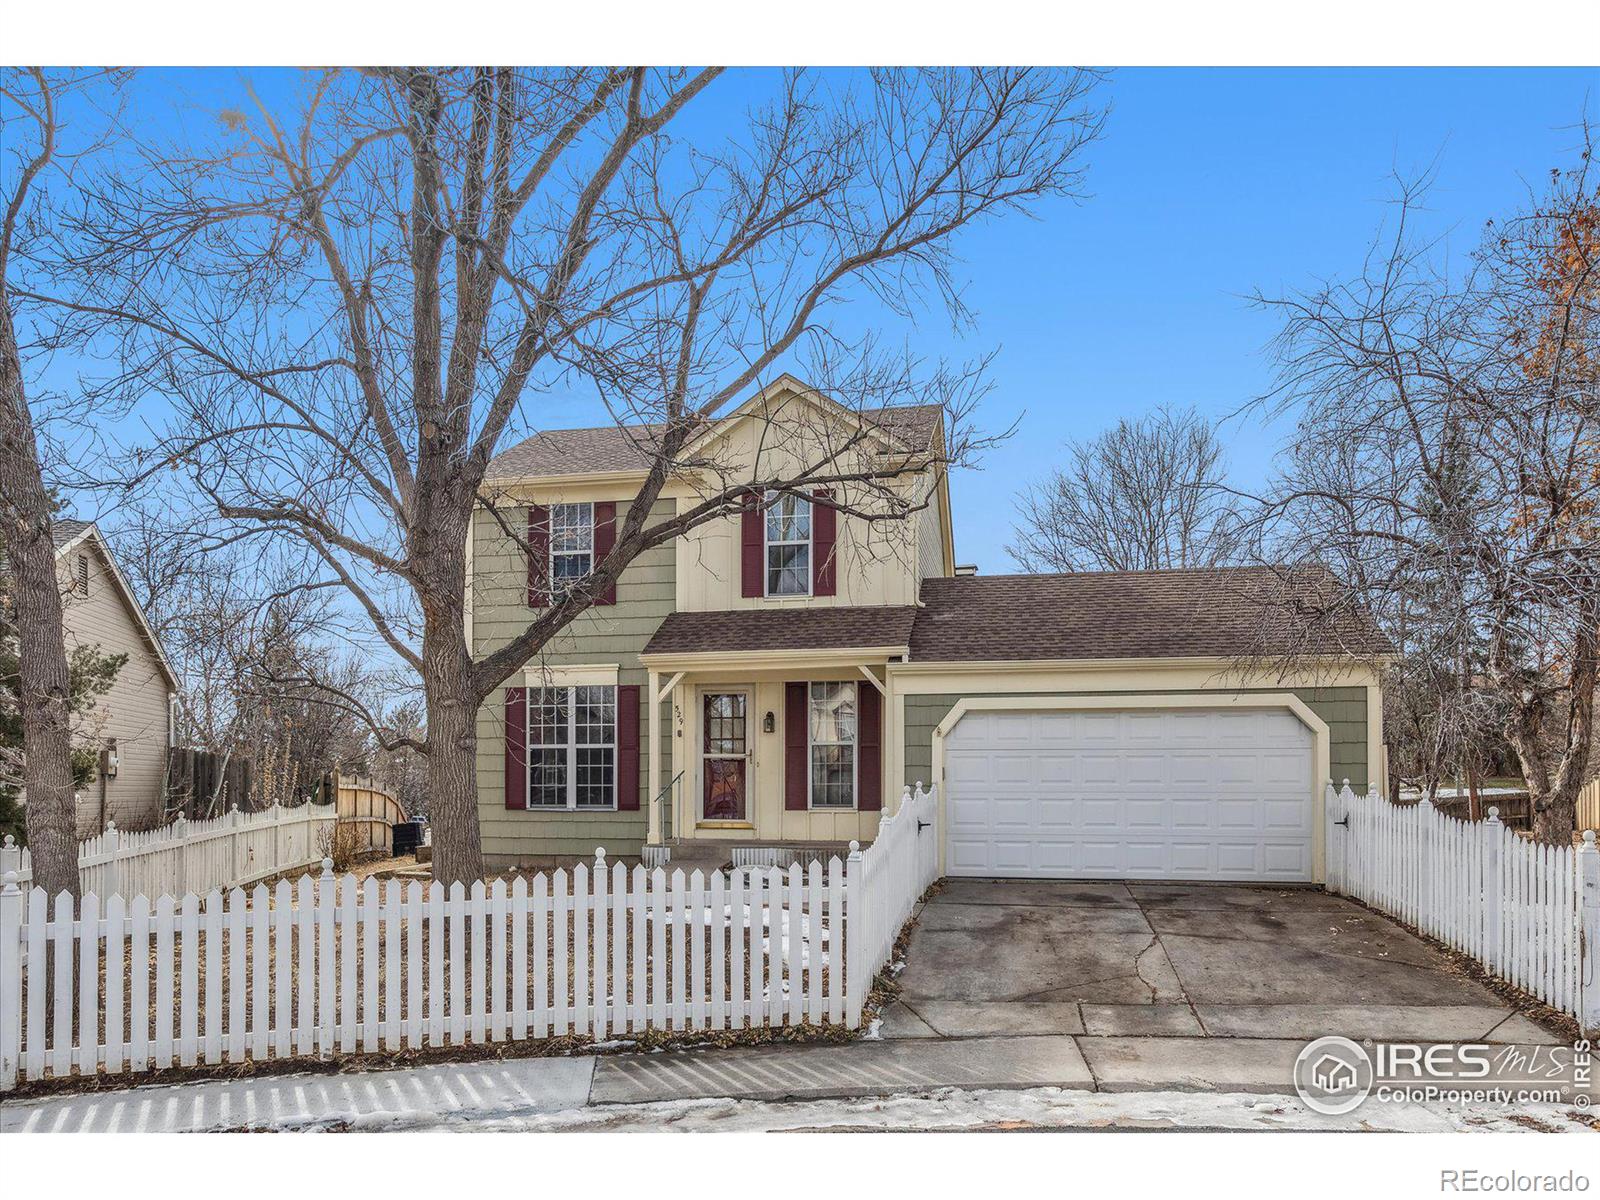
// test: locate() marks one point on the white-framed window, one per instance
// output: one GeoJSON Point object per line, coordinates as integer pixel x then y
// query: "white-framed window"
{"type": "Point", "coordinates": [831, 738]}
{"type": "Point", "coordinates": [788, 529]}
{"type": "Point", "coordinates": [572, 747]}
{"type": "Point", "coordinates": [571, 545]}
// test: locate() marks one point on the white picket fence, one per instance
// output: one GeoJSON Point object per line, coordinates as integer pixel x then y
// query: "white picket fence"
{"type": "Point", "coordinates": [1528, 911]}
{"type": "Point", "coordinates": [901, 864]}
{"type": "Point", "coordinates": [192, 856]}
{"type": "Point", "coordinates": [333, 965]}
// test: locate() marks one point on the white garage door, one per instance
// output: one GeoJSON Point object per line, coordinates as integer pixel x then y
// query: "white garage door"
{"type": "Point", "coordinates": [1142, 794]}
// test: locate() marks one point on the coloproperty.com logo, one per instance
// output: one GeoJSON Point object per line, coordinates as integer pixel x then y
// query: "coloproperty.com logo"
{"type": "Point", "coordinates": [1335, 1075]}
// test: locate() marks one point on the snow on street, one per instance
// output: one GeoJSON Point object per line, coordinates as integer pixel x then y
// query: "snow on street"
{"type": "Point", "coordinates": [554, 1095]}
{"type": "Point", "coordinates": [954, 1110]}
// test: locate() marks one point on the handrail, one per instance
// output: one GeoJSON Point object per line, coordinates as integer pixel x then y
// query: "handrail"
{"type": "Point", "coordinates": [656, 800]}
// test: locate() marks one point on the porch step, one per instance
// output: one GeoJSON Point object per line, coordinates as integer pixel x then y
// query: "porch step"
{"type": "Point", "coordinates": [707, 855]}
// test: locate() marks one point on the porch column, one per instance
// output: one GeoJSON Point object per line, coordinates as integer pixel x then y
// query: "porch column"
{"type": "Point", "coordinates": [653, 766]}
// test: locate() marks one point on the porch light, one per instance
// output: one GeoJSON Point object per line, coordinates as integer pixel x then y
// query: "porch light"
{"type": "Point", "coordinates": [769, 723]}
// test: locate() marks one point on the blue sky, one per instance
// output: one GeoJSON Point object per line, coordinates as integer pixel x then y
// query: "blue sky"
{"type": "Point", "coordinates": [1209, 183]}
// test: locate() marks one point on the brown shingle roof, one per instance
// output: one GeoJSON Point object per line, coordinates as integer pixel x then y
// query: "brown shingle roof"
{"type": "Point", "coordinates": [784, 629]}
{"type": "Point", "coordinates": [628, 447]}
{"type": "Point", "coordinates": [1215, 612]}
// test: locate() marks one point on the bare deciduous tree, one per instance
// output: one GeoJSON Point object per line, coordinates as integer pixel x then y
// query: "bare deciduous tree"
{"type": "Point", "coordinates": [1447, 464]}
{"type": "Point", "coordinates": [31, 126]}
{"type": "Point", "coordinates": [1145, 496]}
{"type": "Point", "coordinates": [350, 300]}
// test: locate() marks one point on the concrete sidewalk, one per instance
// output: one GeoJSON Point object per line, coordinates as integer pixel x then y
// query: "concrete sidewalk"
{"type": "Point", "coordinates": [516, 1091]}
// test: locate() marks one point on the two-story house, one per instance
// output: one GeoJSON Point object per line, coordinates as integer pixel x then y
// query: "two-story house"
{"type": "Point", "coordinates": [770, 681]}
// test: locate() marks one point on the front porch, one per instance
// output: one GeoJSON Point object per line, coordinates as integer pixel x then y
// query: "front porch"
{"type": "Point", "coordinates": [775, 755]}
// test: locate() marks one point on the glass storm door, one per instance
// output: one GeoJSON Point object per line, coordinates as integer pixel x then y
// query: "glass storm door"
{"type": "Point", "coordinates": [724, 755]}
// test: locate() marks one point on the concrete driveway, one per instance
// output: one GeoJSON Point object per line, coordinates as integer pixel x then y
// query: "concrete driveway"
{"type": "Point", "coordinates": [1141, 975]}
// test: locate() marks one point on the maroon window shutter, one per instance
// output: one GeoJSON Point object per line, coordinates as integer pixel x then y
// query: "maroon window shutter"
{"type": "Point", "coordinates": [824, 533]}
{"type": "Point", "coordinates": [605, 537]}
{"type": "Point", "coordinates": [538, 556]}
{"type": "Point", "coordinates": [516, 747]}
{"type": "Point", "coordinates": [627, 747]}
{"type": "Point", "coordinates": [796, 747]}
{"type": "Point", "coordinates": [752, 544]}
{"type": "Point", "coordinates": [869, 778]}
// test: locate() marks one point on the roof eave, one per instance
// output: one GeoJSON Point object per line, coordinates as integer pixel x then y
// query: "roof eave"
{"type": "Point", "coordinates": [692, 660]}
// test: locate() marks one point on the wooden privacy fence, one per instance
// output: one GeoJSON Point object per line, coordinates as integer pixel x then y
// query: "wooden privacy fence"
{"type": "Point", "coordinates": [1528, 911]}
{"type": "Point", "coordinates": [201, 782]}
{"type": "Point", "coordinates": [192, 856]}
{"type": "Point", "coordinates": [330, 965]}
{"type": "Point", "coordinates": [369, 811]}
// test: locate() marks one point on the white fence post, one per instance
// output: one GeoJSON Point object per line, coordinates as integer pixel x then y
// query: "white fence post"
{"type": "Point", "coordinates": [113, 844]}
{"type": "Point", "coordinates": [234, 871]}
{"type": "Point", "coordinates": [180, 832]}
{"type": "Point", "coordinates": [856, 937]}
{"type": "Point", "coordinates": [1493, 841]}
{"type": "Point", "coordinates": [10, 978]}
{"type": "Point", "coordinates": [10, 857]}
{"type": "Point", "coordinates": [1589, 935]}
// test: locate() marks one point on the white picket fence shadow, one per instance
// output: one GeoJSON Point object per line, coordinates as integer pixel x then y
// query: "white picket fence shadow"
{"type": "Point", "coordinates": [234, 849]}
{"type": "Point", "coordinates": [337, 966]}
{"type": "Point", "coordinates": [1529, 912]}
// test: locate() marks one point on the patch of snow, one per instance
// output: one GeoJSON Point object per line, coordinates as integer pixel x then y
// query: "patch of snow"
{"type": "Point", "coordinates": [1038, 1108]}
{"type": "Point", "coordinates": [874, 1031]}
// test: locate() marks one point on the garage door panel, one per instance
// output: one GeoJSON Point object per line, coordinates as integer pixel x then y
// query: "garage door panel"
{"type": "Point", "coordinates": [1012, 728]}
{"type": "Point", "coordinates": [1010, 768]}
{"type": "Point", "coordinates": [1058, 812]}
{"type": "Point", "coordinates": [1056, 767]}
{"type": "Point", "coordinates": [1147, 814]}
{"type": "Point", "coordinates": [1194, 858]}
{"type": "Point", "coordinates": [1010, 814]}
{"type": "Point", "coordinates": [1286, 816]}
{"type": "Point", "coordinates": [1101, 814]}
{"type": "Point", "coordinates": [1152, 794]}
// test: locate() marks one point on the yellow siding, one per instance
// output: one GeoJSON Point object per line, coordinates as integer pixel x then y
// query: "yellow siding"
{"type": "Point", "coordinates": [877, 562]}
{"type": "Point", "coordinates": [134, 712]}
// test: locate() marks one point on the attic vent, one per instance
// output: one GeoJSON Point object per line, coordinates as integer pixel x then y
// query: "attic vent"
{"type": "Point", "coordinates": [81, 584]}
{"type": "Point", "coordinates": [966, 568]}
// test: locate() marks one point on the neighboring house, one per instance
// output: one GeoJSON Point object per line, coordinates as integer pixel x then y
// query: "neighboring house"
{"type": "Point", "coordinates": [779, 676]}
{"type": "Point", "coordinates": [132, 723]}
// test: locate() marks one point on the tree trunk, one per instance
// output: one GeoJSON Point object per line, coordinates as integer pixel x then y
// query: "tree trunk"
{"type": "Point", "coordinates": [44, 684]}
{"type": "Point", "coordinates": [1553, 794]}
{"type": "Point", "coordinates": [452, 769]}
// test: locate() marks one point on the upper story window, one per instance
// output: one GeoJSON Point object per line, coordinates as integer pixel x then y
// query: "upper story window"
{"type": "Point", "coordinates": [571, 544]}
{"type": "Point", "coordinates": [788, 545]}
{"type": "Point", "coordinates": [572, 747]}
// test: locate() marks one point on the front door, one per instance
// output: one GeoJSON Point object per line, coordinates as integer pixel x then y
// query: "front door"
{"type": "Point", "coordinates": [724, 755]}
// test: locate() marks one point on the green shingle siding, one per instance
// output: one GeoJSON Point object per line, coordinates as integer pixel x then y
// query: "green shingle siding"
{"type": "Point", "coordinates": [646, 593]}
{"type": "Point", "coordinates": [1343, 708]}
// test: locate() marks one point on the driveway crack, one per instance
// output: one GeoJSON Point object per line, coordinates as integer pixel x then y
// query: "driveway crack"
{"type": "Point", "coordinates": [1156, 944]}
